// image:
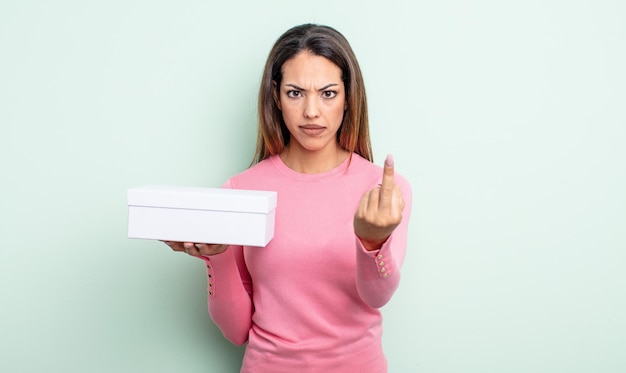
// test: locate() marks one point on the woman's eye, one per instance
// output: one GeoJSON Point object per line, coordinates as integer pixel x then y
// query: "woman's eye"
{"type": "Point", "coordinates": [293, 93]}
{"type": "Point", "coordinates": [329, 94]}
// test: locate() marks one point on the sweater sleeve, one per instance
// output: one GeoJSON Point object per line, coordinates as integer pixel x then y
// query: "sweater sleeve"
{"type": "Point", "coordinates": [229, 294]}
{"type": "Point", "coordinates": [378, 271]}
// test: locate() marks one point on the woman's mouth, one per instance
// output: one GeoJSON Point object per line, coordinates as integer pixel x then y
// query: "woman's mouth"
{"type": "Point", "coordinates": [312, 129]}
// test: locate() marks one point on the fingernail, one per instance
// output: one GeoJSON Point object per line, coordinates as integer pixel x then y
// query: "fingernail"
{"type": "Point", "coordinates": [188, 245]}
{"type": "Point", "coordinates": [389, 160]}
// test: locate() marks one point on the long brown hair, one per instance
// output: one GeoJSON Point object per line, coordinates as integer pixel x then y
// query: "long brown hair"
{"type": "Point", "coordinates": [324, 41]}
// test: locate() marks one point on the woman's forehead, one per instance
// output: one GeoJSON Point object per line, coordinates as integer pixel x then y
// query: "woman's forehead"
{"type": "Point", "coordinates": [309, 68]}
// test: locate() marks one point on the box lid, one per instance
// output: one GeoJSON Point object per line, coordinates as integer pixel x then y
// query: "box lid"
{"type": "Point", "coordinates": [198, 198]}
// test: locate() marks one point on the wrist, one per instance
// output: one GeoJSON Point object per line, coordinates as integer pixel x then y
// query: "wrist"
{"type": "Point", "coordinates": [372, 245]}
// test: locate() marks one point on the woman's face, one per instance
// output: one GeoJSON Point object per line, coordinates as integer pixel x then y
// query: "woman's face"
{"type": "Point", "coordinates": [313, 101]}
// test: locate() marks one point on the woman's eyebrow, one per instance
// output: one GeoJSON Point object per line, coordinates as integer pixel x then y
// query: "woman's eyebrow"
{"type": "Point", "coordinates": [302, 89]}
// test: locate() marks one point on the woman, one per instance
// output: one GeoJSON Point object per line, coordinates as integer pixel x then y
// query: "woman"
{"type": "Point", "coordinates": [308, 302]}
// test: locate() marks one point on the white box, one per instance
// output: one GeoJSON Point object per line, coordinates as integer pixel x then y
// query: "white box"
{"type": "Point", "coordinates": [202, 215]}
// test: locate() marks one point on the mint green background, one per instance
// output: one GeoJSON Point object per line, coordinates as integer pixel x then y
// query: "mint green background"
{"type": "Point", "coordinates": [508, 118]}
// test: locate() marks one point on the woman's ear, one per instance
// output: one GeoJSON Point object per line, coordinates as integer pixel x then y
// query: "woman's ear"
{"type": "Point", "coordinates": [275, 94]}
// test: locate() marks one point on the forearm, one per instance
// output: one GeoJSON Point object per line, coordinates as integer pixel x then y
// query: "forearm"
{"type": "Point", "coordinates": [378, 270]}
{"type": "Point", "coordinates": [377, 273]}
{"type": "Point", "coordinates": [229, 303]}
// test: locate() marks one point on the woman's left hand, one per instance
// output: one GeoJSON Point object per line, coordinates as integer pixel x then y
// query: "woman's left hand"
{"type": "Point", "coordinates": [380, 211]}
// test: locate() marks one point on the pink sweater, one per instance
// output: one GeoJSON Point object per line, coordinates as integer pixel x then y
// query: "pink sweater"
{"type": "Point", "coordinates": [308, 302]}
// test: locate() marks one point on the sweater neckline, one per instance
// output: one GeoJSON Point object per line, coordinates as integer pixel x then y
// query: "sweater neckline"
{"type": "Point", "coordinates": [283, 168]}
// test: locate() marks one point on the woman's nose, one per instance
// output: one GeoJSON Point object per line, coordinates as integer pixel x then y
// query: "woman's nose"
{"type": "Point", "coordinates": [311, 108]}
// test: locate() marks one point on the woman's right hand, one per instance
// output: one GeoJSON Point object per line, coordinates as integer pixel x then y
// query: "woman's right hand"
{"type": "Point", "coordinates": [197, 249]}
